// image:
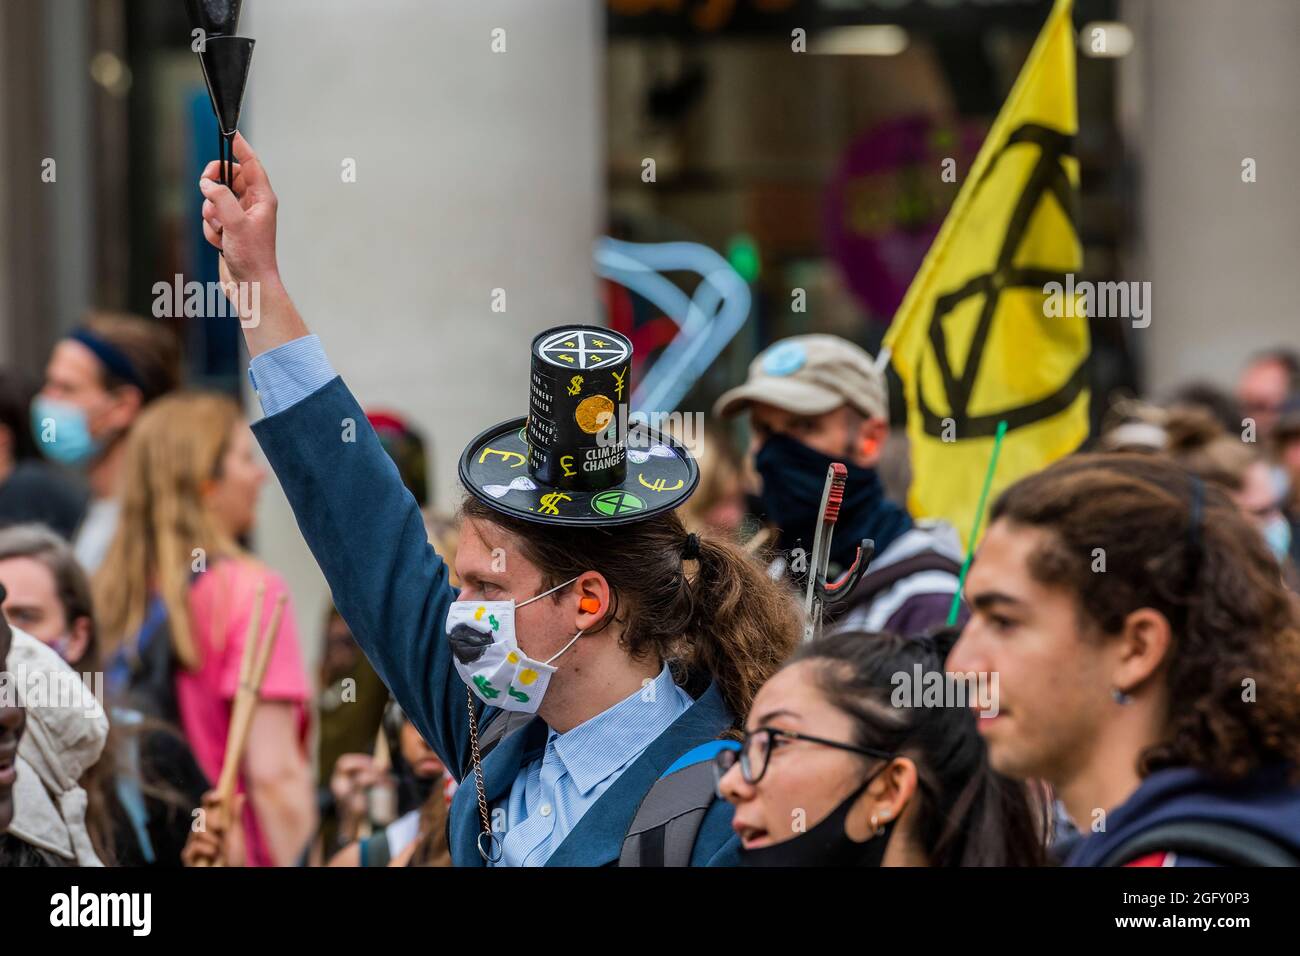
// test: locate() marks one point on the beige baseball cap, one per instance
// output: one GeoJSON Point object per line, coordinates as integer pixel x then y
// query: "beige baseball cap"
{"type": "Point", "coordinates": [811, 375]}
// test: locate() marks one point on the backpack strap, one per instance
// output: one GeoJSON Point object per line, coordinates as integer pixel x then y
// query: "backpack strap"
{"type": "Point", "coordinates": [667, 822]}
{"type": "Point", "coordinates": [1222, 843]}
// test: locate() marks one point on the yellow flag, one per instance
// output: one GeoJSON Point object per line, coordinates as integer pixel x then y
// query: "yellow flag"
{"type": "Point", "coordinates": [977, 338]}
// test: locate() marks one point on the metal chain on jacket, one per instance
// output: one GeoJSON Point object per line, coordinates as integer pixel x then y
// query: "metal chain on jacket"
{"type": "Point", "coordinates": [493, 841]}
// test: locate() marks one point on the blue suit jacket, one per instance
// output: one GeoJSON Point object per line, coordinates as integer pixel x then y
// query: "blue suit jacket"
{"type": "Point", "coordinates": [390, 585]}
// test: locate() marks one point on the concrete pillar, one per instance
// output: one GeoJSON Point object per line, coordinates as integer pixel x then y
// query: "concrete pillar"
{"type": "Point", "coordinates": [46, 162]}
{"type": "Point", "coordinates": [67, 78]}
{"type": "Point", "coordinates": [475, 171]}
{"type": "Point", "coordinates": [1209, 85]}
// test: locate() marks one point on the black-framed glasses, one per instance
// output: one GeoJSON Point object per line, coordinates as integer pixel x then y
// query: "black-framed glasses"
{"type": "Point", "coordinates": [757, 746]}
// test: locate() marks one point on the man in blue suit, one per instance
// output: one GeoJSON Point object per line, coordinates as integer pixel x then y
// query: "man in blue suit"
{"type": "Point", "coordinates": [579, 581]}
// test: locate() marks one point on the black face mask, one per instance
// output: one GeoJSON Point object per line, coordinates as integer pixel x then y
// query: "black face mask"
{"type": "Point", "coordinates": [828, 843]}
{"type": "Point", "coordinates": [794, 477]}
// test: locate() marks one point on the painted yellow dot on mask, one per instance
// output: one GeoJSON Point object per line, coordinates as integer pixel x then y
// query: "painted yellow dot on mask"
{"type": "Point", "coordinates": [512, 657]}
{"type": "Point", "coordinates": [527, 676]}
{"type": "Point", "coordinates": [478, 615]}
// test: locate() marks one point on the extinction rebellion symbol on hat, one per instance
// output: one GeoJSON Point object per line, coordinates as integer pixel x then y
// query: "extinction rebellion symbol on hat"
{"type": "Point", "coordinates": [617, 503]}
{"type": "Point", "coordinates": [584, 349]}
{"type": "Point", "coordinates": [573, 461]}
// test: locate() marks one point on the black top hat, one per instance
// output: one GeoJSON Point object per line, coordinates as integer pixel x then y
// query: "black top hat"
{"type": "Point", "coordinates": [572, 461]}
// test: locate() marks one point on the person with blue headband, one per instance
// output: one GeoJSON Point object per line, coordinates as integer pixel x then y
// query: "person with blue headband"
{"type": "Point", "coordinates": [99, 378]}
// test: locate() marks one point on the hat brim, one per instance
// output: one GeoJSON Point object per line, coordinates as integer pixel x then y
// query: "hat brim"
{"type": "Point", "coordinates": [661, 475]}
{"type": "Point", "coordinates": [801, 398]}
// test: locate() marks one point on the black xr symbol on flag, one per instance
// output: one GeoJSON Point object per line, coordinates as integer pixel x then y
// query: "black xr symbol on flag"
{"type": "Point", "coordinates": [1048, 177]}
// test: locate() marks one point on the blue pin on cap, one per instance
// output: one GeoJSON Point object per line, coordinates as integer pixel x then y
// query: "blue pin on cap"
{"type": "Point", "coordinates": [785, 359]}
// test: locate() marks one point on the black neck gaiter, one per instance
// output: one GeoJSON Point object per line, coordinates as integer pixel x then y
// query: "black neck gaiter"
{"type": "Point", "coordinates": [794, 476]}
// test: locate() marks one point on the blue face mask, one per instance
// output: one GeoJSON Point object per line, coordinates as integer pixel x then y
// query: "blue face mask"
{"type": "Point", "coordinates": [62, 432]}
{"type": "Point", "coordinates": [1278, 535]}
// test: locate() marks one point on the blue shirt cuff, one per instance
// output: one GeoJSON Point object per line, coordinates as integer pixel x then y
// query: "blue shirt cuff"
{"type": "Point", "coordinates": [288, 373]}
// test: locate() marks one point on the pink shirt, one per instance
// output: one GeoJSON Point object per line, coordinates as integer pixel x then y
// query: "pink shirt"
{"type": "Point", "coordinates": [221, 603]}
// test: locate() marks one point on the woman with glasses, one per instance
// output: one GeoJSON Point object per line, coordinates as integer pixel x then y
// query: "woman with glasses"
{"type": "Point", "coordinates": [840, 767]}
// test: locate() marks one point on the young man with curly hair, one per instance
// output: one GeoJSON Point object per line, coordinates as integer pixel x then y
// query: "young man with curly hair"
{"type": "Point", "coordinates": [1148, 659]}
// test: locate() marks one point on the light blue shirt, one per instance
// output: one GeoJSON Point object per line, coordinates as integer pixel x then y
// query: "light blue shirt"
{"type": "Point", "coordinates": [550, 795]}
{"type": "Point", "coordinates": [288, 373]}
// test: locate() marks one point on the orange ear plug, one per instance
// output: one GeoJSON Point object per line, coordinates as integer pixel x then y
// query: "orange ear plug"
{"type": "Point", "coordinates": [589, 604]}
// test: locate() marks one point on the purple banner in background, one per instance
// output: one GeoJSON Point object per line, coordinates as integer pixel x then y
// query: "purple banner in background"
{"type": "Point", "coordinates": [887, 200]}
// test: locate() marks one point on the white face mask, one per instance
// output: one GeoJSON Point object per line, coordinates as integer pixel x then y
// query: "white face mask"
{"type": "Point", "coordinates": [488, 658]}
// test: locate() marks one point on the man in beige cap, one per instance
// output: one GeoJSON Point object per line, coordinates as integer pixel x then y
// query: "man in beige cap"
{"type": "Point", "coordinates": [817, 399]}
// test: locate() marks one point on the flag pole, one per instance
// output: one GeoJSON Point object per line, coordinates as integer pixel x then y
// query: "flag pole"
{"type": "Point", "coordinates": [979, 517]}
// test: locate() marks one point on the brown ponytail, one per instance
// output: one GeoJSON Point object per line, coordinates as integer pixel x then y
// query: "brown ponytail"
{"type": "Point", "coordinates": [719, 616]}
{"type": "Point", "coordinates": [750, 624]}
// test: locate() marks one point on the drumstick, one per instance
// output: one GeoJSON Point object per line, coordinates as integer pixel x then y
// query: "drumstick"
{"type": "Point", "coordinates": [264, 651]}
{"type": "Point", "coordinates": [252, 636]}
{"type": "Point", "coordinates": [253, 667]}
{"type": "Point", "coordinates": [383, 762]}
{"type": "Point", "coordinates": [229, 767]}
{"type": "Point", "coordinates": [245, 702]}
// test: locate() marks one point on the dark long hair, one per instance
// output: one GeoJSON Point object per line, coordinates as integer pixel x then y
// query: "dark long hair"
{"type": "Point", "coordinates": [968, 814]}
{"type": "Point", "coordinates": [1234, 623]}
{"type": "Point", "coordinates": [723, 618]}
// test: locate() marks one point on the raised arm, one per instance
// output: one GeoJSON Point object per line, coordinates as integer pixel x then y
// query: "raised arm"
{"type": "Point", "coordinates": [362, 525]}
{"type": "Point", "coordinates": [243, 229]}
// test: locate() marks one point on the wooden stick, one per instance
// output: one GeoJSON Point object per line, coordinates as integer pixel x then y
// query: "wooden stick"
{"type": "Point", "coordinates": [268, 645]}
{"type": "Point", "coordinates": [230, 764]}
{"type": "Point", "coordinates": [383, 763]}
{"type": "Point", "coordinates": [760, 538]}
{"type": "Point", "coordinates": [253, 666]}
{"type": "Point", "coordinates": [246, 700]}
{"type": "Point", "coordinates": [383, 756]}
{"type": "Point", "coordinates": [253, 635]}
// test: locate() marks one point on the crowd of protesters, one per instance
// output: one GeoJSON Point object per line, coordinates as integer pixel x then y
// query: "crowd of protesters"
{"type": "Point", "coordinates": [1134, 604]}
